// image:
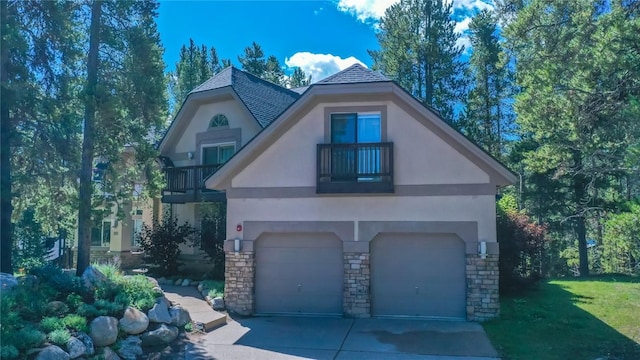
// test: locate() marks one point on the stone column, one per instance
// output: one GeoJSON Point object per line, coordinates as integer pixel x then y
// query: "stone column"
{"type": "Point", "coordinates": [239, 282]}
{"type": "Point", "coordinates": [483, 301]}
{"type": "Point", "coordinates": [357, 279]}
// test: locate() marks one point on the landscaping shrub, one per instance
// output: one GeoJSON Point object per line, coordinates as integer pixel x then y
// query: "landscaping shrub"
{"type": "Point", "coordinates": [63, 283]}
{"type": "Point", "coordinates": [161, 243]}
{"type": "Point", "coordinates": [138, 292]}
{"type": "Point", "coordinates": [215, 288]}
{"type": "Point", "coordinates": [75, 322]}
{"type": "Point", "coordinates": [50, 324]}
{"type": "Point", "coordinates": [27, 338]}
{"type": "Point", "coordinates": [213, 233]}
{"type": "Point", "coordinates": [621, 242]}
{"type": "Point", "coordinates": [522, 245]}
{"type": "Point", "coordinates": [31, 245]}
{"type": "Point", "coordinates": [74, 301]}
{"type": "Point", "coordinates": [59, 337]}
{"type": "Point", "coordinates": [8, 352]}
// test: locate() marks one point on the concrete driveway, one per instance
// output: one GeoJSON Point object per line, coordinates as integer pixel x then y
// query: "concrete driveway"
{"type": "Point", "coordinates": [280, 338]}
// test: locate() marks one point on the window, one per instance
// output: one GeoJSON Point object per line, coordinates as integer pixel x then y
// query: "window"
{"type": "Point", "coordinates": [136, 230]}
{"type": "Point", "coordinates": [101, 234]}
{"type": "Point", "coordinates": [358, 162]}
{"type": "Point", "coordinates": [218, 120]}
{"type": "Point", "coordinates": [217, 154]}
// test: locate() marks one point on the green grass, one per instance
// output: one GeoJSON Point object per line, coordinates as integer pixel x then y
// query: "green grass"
{"type": "Point", "coordinates": [597, 317]}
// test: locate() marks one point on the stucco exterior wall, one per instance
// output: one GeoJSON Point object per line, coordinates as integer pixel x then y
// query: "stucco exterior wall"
{"type": "Point", "coordinates": [420, 156]}
{"type": "Point", "coordinates": [234, 112]}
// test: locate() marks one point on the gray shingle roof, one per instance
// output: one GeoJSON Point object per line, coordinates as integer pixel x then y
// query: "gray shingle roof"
{"type": "Point", "coordinates": [355, 73]}
{"type": "Point", "coordinates": [264, 100]}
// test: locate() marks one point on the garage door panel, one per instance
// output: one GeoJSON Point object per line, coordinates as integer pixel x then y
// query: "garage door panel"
{"type": "Point", "coordinates": [418, 275]}
{"type": "Point", "coordinates": [299, 273]}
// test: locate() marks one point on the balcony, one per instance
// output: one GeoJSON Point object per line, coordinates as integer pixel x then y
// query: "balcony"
{"type": "Point", "coordinates": [185, 184]}
{"type": "Point", "coordinates": [355, 168]}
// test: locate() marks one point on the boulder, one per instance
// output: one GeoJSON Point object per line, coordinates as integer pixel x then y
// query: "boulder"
{"type": "Point", "coordinates": [7, 282]}
{"type": "Point", "coordinates": [179, 316]}
{"type": "Point", "coordinates": [134, 321]}
{"type": "Point", "coordinates": [76, 348]}
{"type": "Point", "coordinates": [161, 336]}
{"type": "Point", "coordinates": [159, 313]}
{"type": "Point", "coordinates": [109, 354]}
{"type": "Point", "coordinates": [200, 287]}
{"type": "Point", "coordinates": [130, 348]}
{"type": "Point", "coordinates": [194, 283]}
{"type": "Point", "coordinates": [104, 330]}
{"type": "Point", "coordinates": [92, 277]}
{"type": "Point", "coordinates": [162, 281]}
{"type": "Point", "coordinates": [88, 343]}
{"type": "Point", "coordinates": [217, 303]}
{"type": "Point", "coordinates": [186, 282]}
{"type": "Point", "coordinates": [153, 281]}
{"type": "Point", "coordinates": [52, 352]}
{"type": "Point", "coordinates": [178, 282]}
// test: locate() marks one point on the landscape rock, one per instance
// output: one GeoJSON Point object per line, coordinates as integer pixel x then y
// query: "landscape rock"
{"type": "Point", "coordinates": [159, 313]}
{"type": "Point", "coordinates": [186, 282]}
{"type": "Point", "coordinates": [218, 303]}
{"type": "Point", "coordinates": [7, 282]}
{"type": "Point", "coordinates": [92, 277]}
{"type": "Point", "coordinates": [179, 316]}
{"type": "Point", "coordinates": [56, 308]}
{"type": "Point", "coordinates": [194, 283]}
{"type": "Point", "coordinates": [178, 282]}
{"type": "Point", "coordinates": [161, 280]}
{"type": "Point", "coordinates": [153, 281]}
{"type": "Point", "coordinates": [134, 321]}
{"type": "Point", "coordinates": [52, 352]}
{"type": "Point", "coordinates": [88, 343]}
{"type": "Point", "coordinates": [130, 348]}
{"type": "Point", "coordinates": [104, 330]}
{"type": "Point", "coordinates": [75, 348]}
{"type": "Point", "coordinates": [160, 336]}
{"type": "Point", "coordinates": [200, 287]}
{"type": "Point", "coordinates": [109, 354]}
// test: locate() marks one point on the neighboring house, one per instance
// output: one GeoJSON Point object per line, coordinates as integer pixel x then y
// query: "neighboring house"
{"type": "Point", "coordinates": [116, 235]}
{"type": "Point", "coordinates": [352, 199]}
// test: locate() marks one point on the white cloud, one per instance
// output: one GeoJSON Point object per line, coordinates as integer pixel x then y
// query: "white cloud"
{"type": "Point", "coordinates": [472, 4]}
{"type": "Point", "coordinates": [462, 25]}
{"type": "Point", "coordinates": [319, 66]}
{"type": "Point", "coordinates": [365, 10]}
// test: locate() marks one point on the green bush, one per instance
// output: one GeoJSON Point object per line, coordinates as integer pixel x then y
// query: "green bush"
{"type": "Point", "coordinates": [59, 337]}
{"type": "Point", "coordinates": [110, 270]}
{"type": "Point", "coordinates": [62, 283]}
{"type": "Point", "coordinates": [27, 338]}
{"type": "Point", "coordinates": [75, 322]}
{"type": "Point", "coordinates": [215, 288]}
{"type": "Point", "coordinates": [161, 243]}
{"type": "Point", "coordinates": [50, 324]}
{"type": "Point", "coordinates": [74, 301]}
{"type": "Point", "coordinates": [8, 352]}
{"type": "Point", "coordinates": [139, 292]}
{"type": "Point", "coordinates": [109, 308]}
{"type": "Point", "coordinates": [90, 311]}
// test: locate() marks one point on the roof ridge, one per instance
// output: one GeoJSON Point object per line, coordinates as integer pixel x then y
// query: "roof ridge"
{"type": "Point", "coordinates": [263, 80]}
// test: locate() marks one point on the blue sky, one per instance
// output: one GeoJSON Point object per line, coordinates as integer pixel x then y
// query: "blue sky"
{"type": "Point", "coordinates": [321, 37]}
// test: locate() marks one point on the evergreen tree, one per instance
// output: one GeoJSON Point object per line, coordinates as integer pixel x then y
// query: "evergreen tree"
{"type": "Point", "coordinates": [299, 79]}
{"type": "Point", "coordinates": [124, 104]}
{"type": "Point", "coordinates": [273, 71]}
{"type": "Point", "coordinates": [487, 117]}
{"type": "Point", "coordinates": [418, 49]}
{"type": "Point", "coordinates": [253, 60]}
{"type": "Point", "coordinates": [577, 68]}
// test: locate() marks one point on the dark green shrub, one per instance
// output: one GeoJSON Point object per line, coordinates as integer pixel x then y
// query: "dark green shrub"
{"type": "Point", "coordinates": [213, 233]}
{"type": "Point", "coordinates": [8, 352]}
{"type": "Point", "coordinates": [90, 311]}
{"type": "Point", "coordinates": [74, 301]}
{"type": "Point", "coordinates": [139, 292]}
{"type": "Point", "coordinates": [161, 243]}
{"type": "Point", "coordinates": [11, 320]}
{"type": "Point", "coordinates": [50, 324]}
{"type": "Point", "coordinates": [31, 245]}
{"type": "Point", "coordinates": [59, 337]}
{"type": "Point", "coordinates": [63, 283]}
{"type": "Point", "coordinates": [75, 322]}
{"type": "Point", "coordinates": [109, 308]}
{"type": "Point", "coordinates": [27, 338]}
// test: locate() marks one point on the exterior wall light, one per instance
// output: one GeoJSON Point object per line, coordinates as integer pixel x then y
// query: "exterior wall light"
{"type": "Point", "coordinates": [482, 249]}
{"type": "Point", "coordinates": [190, 155]}
{"type": "Point", "coordinates": [237, 245]}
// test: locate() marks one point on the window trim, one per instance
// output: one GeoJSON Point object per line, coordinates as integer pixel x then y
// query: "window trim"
{"type": "Point", "coordinates": [102, 229]}
{"type": "Point", "coordinates": [219, 126]}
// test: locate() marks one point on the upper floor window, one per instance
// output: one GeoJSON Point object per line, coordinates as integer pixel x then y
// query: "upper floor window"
{"type": "Point", "coordinates": [218, 153]}
{"type": "Point", "coordinates": [218, 120]}
{"type": "Point", "coordinates": [353, 128]}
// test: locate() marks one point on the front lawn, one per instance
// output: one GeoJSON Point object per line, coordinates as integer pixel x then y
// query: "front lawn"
{"type": "Point", "coordinates": [594, 318]}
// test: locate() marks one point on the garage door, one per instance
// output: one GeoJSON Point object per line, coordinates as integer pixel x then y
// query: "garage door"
{"type": "Point", "coordinates": [299, 273]}
{"type": "Point", "coordinates": [418, 275]}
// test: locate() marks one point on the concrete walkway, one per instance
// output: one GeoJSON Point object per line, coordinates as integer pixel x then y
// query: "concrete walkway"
{"type": "Point", "coordinates": [289, 338]}
{"type": "Point", "coordinates": [199, 310]}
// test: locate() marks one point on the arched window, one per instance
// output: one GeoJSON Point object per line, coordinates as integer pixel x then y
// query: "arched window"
{"type": "Point", "coordinates": [218, 121]}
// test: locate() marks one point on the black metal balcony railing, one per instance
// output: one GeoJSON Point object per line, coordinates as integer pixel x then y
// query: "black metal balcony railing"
{"type": "Point", "coordinates": [355, 168]}
{"type": "Point", "coordinates": [184, 179]}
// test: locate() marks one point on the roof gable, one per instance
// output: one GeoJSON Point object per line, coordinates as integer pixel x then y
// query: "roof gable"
{"type": "Point", "coordinates": [355, 73]}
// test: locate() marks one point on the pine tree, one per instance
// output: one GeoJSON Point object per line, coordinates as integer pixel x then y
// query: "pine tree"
{"type": "Point", "coordinates": [253, 60]}
{"type": "Point", "coordinates": [487, 117]}
{"type": "Point", "coordinates": [577, 68]}
{"type": "Point", "coordinates": [273, 71]}
{"type": "Point", "coordinates": [418, 49]}
{"type": "Point", "coordinates": [299, 79]}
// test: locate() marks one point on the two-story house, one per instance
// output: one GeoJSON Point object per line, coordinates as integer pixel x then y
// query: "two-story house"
{"type": "Point", "coordinates": [350, 198]}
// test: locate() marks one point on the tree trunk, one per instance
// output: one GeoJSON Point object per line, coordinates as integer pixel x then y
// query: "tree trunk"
{"type": "Point", "coordinates": [5, 155]}
{"type": "Point", "coordinates": [86, 185]}
{"type": "Point", "coordinates": [581, 229]}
